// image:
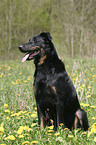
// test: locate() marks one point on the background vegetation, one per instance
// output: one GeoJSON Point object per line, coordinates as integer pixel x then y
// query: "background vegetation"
{"type": "Point", "coordinates": [18, 111]}
{"type": "Point", "coordinates": [72, 24]}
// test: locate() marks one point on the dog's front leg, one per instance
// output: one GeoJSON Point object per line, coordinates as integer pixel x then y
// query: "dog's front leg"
{"type": "Point", "coordinates": [40, 117]}
{"type": "Point", "coordinates": [60, 114]}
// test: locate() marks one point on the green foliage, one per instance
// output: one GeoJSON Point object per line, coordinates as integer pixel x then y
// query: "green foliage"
{"type": "Point", "coordinates": [71, 23]}
{"type": "Point", "coordinates": [18, 112]}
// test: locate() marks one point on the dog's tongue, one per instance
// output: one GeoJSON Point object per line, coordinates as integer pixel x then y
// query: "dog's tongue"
{"type": "Point", "coordinates": [25, 57]}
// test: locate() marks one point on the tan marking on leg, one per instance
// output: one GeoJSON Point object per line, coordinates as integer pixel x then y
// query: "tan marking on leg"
{"type": "Point", "coordinates": [53, 89]}
{"type": "Point", "coordinates": [41, 122]}
{"type": "Point", "coordinates": [75, 122]}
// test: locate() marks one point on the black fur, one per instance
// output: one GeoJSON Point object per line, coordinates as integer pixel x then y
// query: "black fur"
{"type": "Point", "coordinates": [56, 97]}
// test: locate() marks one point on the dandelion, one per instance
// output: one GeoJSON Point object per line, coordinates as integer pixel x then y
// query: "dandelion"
{"type": "Point", "coordinates": [13, 83]}
{"type": "Point", "coordinates": [34, 142]}
{"type": "Point", "coordinates": [6, 105]}
{"type": "Point", "coordinates": [93, 118]}
{"type": "Point", "coordinates": [70, 136]}
{"type": "Point", "coordinates": [88, 96]}
{"type": "Point", "coordinates": [33, 124]}
{"type": "Point", "coordinates": [21, 136]}
{"type": "Point", "coordinates": [10, 137]}
{"type": "Point", "coordinates": [9, 74]}
{"type": "Point", "coordinates": [27, 128]}
{"type": "Point", "coordinates": [84, 133]}
{"type": "Point", "coordinates": [95, 139]}
{"type": "Point", "coordinates": [61, 124]}
{"type": "Point", "coordinates": [89, 133]}
{"type": "Point", "coordinates": [20, 73]}
{"type": "Point", "coordinates": [1, 129]}
{"type": "Point", "coordinates": [93, 68]}
{"type": "Point", "coordinates": [33, 115]}
{"type": "Point", "coordinates": [50, 130]}
{"type": "Point", "coordinates": [7, 117]}
{"type": "Point", "coordinates": [93, 106]}
{"type": "Point", "coordinates": [66, 129]}
{"type": "Point", "coordinates": [50, 127]}
{"type": "Point", "coordinates": [85, 105]}
{"type": "Point", "coordinates": [9, 68]}
{"type": "Point", "coordinates": [93, 130]}
{"type": "Point", "coordinates": [20, 130]}
{"type": "Point", "coordinates": [56, 134]}
{"type": "Point", "coordinates": [25, 143]}
{"type": "Point", "coordinates": [25, 81]}
{"type": "Point", "coordinates": [7, 111]}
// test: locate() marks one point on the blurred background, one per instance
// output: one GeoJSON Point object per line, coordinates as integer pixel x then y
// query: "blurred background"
{"type": "Point", "coordinates": [72, 24]}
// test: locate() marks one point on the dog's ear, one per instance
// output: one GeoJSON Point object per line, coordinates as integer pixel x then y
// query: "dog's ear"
{"type": "Point", "coordinates": [46, 35]}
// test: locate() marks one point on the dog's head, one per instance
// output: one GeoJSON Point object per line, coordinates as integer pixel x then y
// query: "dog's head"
{"type": "Point", "coordinates": [37, 47]}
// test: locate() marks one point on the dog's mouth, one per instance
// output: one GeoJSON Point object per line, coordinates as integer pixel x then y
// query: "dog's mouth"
{"type": "Point", "coordinates": [31, 54]}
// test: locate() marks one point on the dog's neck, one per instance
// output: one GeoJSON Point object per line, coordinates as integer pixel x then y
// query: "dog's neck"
{"type": "Point", "coordinates": [48, 66]}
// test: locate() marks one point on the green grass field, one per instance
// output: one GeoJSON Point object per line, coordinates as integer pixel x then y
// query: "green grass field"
{"type": "Point", "coordinates": [18, 115]}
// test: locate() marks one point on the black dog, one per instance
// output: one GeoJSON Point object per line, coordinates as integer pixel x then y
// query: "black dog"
{"type": "Point", "coordinates": [55, 94]}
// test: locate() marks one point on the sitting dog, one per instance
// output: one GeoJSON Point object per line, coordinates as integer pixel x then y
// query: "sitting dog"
{"type": "Point", "coordinates": [56, 97]}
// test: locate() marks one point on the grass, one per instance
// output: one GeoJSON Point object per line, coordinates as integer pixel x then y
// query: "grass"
{"type": "Point", "coordinates": [18, 115]}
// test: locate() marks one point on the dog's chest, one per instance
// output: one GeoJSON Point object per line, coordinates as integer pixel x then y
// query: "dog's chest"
{"type": "Point", "coordinates": [45, 92]}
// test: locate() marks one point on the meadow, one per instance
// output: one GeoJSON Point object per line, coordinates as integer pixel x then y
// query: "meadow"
{"type": "Point", "coordinates": [18, 112]}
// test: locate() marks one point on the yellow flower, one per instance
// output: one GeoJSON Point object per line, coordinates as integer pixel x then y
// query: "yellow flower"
{"type": "Point", "coordinates": [25, 81]}
{"type": "Point", "coordinates": [66, 129]}
{"type": "Point", "coordinates": [1, 129]}
{"type": "Point", "coordinates": [7, 111]}
{"type": "Point", "coordinates": [93, 106]}
{"type": "Point", "coordinates": [6, 105]}
{"type": "Point", "coordinates": [93, 68]}
{"type": "Point", "coordinates": [27, 128]}
{"type": "Point", "coordinates": [34, 142]}
{"type": "Point", "coordinates": [1, 75]}
{"type": "Point", "coordinates": [13, 83]}
{"type": "Point", "coordinates": [9, 68]}
{"type": "Point", "coordinates": [7, 117]}
{"type": "Point", "coordinates": [21, 136]}
{"type": "Point", "coordinates": [89, 133]}
{"type": "Point", "coordinates": [25, 143]}
{"type": "Point", "coordinates": [93, 118]}
{"type": "Point", "coordinates": [20, 73]}
{"type": "Point", "coordinates": [83, 132]}
{"type": "Point", "coordinates": [56, 134]}
{"type": "Point", "coordinates": [50, 127]}
{"type": "Point", "coordinates": [20, 130]}
{"type": "Point", "coordinates": [88, 96]}
{"type": "Point", "coordinates": [93, 130]}
{"type": "Point", "coordinates": [2, 124]}
{"type": "Point", "coordinates": [95, 139]}
{"type": "Point", "coordinates": [33, 124]}
{"type": "Point", "coordinates": [9, 74]}
{"type": "Point", "coordinates": [33, 115]}
{"type": "Point", "coordinates": [10, 137]}
{"type": "Point", "coordinates": [70, 136]}
{"type": "Point", "coordinates": [50, 130]}
{"type": "Point", "coordinates": [61, 124]}
{"type": "Point", "coordinates": [85, 105]}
